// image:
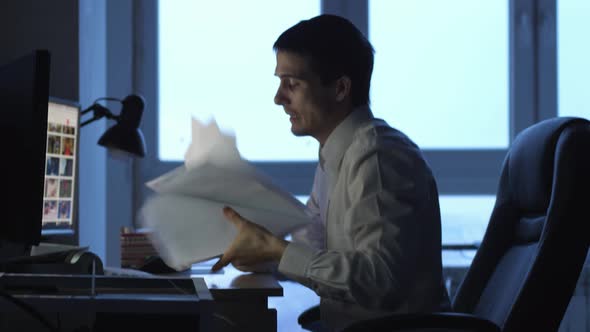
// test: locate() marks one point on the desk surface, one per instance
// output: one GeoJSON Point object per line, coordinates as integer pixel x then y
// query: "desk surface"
{"type": "Point", "coordinates": [236, 296]}
{"type": "Point", "coordinates": [85, 293]}
{"type": "Point", "coordinates": [41, 302]}
{"type": "Point", "coordinates": [240, 296]}
{"type": "Point", "coordinates": [233, 282]}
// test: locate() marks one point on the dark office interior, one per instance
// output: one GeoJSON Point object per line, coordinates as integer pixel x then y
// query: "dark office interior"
{"type": "Point", "coordinates": [108, 48]}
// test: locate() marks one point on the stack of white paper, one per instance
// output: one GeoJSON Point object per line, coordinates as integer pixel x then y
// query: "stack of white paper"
{"type": "Point", "coordinates": [185, 216]}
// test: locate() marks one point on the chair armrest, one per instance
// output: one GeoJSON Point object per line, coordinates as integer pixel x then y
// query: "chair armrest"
{"type": "Point", "coordinates": [440, 320]}
{"type": "Point", "coordinates": [309, 316]}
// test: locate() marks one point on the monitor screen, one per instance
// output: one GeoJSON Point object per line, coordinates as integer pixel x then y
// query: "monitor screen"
{"type": "Point", "coordinates": [61, 159]}
{"type": "Point", "coordinates": [24, 94]}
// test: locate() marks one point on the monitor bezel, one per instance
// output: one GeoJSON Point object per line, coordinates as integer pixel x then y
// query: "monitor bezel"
{"type": "Point", "coordinates": [30, 71]}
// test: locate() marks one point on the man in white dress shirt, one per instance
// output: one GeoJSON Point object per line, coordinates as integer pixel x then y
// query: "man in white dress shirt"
{"type": "Point", "coordinates": [374, 247]}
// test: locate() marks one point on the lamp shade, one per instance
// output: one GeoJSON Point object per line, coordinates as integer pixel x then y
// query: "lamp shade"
{"type": "Point", "coordinates": [124, 138]}
{"type": "Point", "coordinates": [125, 135]}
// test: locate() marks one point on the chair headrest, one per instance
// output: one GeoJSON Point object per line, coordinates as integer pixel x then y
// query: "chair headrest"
{"type": "Point", "coordinates": [531, 164]}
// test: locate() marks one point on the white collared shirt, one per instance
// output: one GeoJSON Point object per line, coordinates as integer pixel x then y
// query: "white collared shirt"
{"type": "Point", "coordinates": [375, 244]}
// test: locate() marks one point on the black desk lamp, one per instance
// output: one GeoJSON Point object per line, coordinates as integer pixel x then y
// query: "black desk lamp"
{"type": "Point", "coordinates": [125, 135]}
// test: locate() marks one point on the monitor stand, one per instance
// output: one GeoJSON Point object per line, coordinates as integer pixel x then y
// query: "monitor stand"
{"type": "Point", "coordinates": [71, 261]}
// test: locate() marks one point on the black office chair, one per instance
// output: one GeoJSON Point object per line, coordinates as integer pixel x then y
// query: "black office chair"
{"type": "Point", "coordinates": [525, 271]}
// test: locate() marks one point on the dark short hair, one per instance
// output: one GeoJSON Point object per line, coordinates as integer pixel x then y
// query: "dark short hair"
{"type": "Point", "coordinates": [335, 48]}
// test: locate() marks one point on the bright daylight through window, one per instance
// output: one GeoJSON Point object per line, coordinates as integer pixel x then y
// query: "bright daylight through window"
{"type": "Point", "coordinates": [573, 54]}
{"type": "Point", "coordinates": [442, 84]}
{"type": "Point", "coordinates": [228, 74]}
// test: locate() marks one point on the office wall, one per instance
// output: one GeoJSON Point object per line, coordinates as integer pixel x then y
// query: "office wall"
{"type": "Point", "coordinates": [91, 47]}
{"type": "Point", "coordinates": [106, 53]}
{"type": "Point", "coordinates": [31, 24]}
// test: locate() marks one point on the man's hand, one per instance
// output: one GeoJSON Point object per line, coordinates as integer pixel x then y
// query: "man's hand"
{"type": "Point", "coordinates": [253, 244]}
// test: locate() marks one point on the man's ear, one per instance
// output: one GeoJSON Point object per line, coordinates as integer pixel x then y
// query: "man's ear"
{"type": "Point", "coordinates": [343, 88]}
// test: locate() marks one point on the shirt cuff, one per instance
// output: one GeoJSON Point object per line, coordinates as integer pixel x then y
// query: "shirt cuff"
{"type": "Point", "coordinates": [295, 260]}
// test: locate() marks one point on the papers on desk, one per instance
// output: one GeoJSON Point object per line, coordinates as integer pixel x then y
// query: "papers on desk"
{"type": "Point", "coordinates": [185, 215]}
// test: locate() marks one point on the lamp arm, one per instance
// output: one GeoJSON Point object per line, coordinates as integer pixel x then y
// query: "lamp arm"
{"type": "Point", "coordinates": [99, 112]}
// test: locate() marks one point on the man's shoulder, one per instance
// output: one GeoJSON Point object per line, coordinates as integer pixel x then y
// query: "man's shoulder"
{"type": "Point", "coordinates": [378, 148]}
{"type": "Point", "coordinates": [379, 134]}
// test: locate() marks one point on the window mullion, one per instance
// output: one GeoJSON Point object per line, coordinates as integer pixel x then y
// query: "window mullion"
{"type": "Point", "coordinates": [357, 11]}
{"type": "Point", "coordinates": [546, 35]}
{"type": "Point", "coordinates": [533, 63]}
{"type": "Point", "coordinates": [522, 65]}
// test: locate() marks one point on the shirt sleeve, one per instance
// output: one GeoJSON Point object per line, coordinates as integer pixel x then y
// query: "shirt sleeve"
{"type": "Point", "coordinates": [388, 193]}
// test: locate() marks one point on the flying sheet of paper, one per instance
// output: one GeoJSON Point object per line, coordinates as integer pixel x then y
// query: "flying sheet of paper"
{"type": "Point", "coordinates": [185, 216]}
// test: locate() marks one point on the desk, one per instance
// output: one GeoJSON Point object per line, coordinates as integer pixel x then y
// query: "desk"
{"type": "Point", "coordinates": [240, 299]}
{"type": "Point", "coordinates": [227, 301]}
{"type": "Point", "coordinates": [105, 303]}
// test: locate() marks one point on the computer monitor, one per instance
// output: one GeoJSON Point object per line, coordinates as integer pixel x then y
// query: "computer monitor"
{"type": "Point", "coordinates": [59, 218]}
{"type": "Point", "coordinates": [24, 94]}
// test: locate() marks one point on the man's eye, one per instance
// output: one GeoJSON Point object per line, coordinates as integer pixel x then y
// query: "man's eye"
{"type": "Point", "coordinates": [289, 83]}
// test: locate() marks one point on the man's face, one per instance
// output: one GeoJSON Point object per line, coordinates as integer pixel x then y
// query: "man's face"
{"type": "Point", "coordinates": [304, 98]}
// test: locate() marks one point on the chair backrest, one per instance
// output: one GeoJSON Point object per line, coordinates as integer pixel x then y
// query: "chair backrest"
{"type": "Point", "coordinates": [526, 269]}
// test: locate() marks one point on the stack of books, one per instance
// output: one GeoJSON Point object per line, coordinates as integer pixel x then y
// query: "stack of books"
{"type": "Point", "coordinates": [136, 247]}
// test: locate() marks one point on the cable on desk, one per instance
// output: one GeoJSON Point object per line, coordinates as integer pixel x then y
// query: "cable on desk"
{"type": "Point", "coordinates": [178, 288]}
{"type": "Point", "coordinates": [30, 310]}
{"type": "Point", "coordinates": [225, 319]}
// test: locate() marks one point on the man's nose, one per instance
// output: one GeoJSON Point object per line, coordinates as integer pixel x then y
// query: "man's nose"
{"type": "Point", "coordinates": [279, 97]}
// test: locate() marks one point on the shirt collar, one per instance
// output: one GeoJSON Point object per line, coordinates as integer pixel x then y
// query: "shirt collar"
{"type": "Point", "coordinates": [341, 137]}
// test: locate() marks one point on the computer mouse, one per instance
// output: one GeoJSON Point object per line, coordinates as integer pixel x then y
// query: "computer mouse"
{"type": "Point", "coordinates": [83, 260]}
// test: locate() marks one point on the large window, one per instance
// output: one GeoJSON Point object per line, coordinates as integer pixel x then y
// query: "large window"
{"type": "Point", "coordinates": [441, 70]}
{"type": "Point", "coordinates": [573, 57]}
{"type": "Point", "coordinates": [446, 87]}
{"type": "Point", "coordinates": [460, 77]}
{"type": "Point", "coordinates": [216, 62]}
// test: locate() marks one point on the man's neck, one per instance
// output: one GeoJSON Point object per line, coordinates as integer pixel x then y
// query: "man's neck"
{"type": "Point", "coordinates": [334, 120]}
